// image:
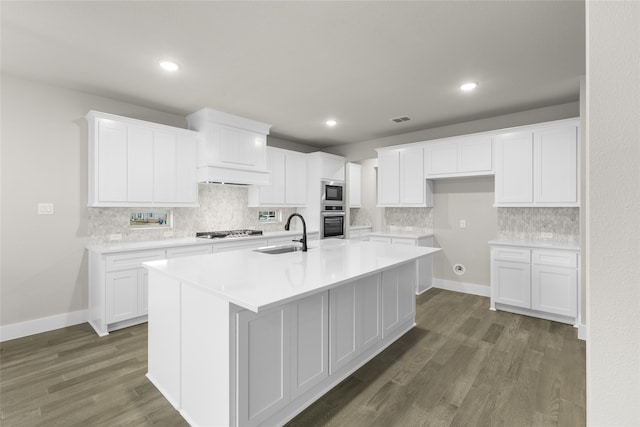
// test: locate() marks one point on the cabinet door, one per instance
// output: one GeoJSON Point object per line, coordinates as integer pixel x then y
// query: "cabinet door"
{"type": "Point", "coordinates": [441, 158]}
{"type": "Point", "coordinates": [309, 342]}
{"type": "Point", "coordinates": [511, 283]}
{"type": "Point", "coordinates": [295, 188]}
{"type": "Point", "coordinates": [112, 161]}
{"type": "Point", "coordinates": [412, 181]}
{"type": "Point", "coordinates": [343, 302]}
{"type": "Point", "coordinates": [355, 185]}
{"type": "Point", "coordinates": [121, 295]}
{"type": "Point", "coordinates": [143, 291]}
{"type": "Point", "coordinates": [555, 165]}
{"type": "Point", "coordinates": [554, 290]}
{"type": "Point", "coordinates": [398, 297]}
{"type": "Point", "coordinates": [475, 155]}
{"type": "Point", "coordinates": [186, 180]}
{"type": "Point", "coordinates": [514, 168]}
{"type": "Point", "coordinates": [389, 177]}
{"type": "Point", "coordinates": [140, 165]}
{"type": "Point", "coordinates": [332, 168]}
{"type": "Point", "coordinates": [164, 159]}
{"type": "Point", "coordinates": [263, 364]}
{"type": "Point", "coordinates": [273, 194]}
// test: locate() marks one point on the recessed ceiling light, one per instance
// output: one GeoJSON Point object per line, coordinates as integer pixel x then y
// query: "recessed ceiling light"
{"type": "Point", "coordinates": [331, 123]}
{"type": "Point", "coordinates": [468, 86]}
{"type": "Point", "coordinates": [169, 65]}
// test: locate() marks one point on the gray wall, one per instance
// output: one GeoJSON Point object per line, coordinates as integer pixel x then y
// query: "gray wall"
{"type": "Point", "coordinates": [43, 265]}
{"type": "Point", "coordinates": [469, 199]}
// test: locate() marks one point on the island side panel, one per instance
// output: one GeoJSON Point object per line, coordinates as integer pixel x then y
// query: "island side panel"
{"type": "Point", "coordinates": [208, 358]}
{"type": "Point", "coordinates": [164, 336]}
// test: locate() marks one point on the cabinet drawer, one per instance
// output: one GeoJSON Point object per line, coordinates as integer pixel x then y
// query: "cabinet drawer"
{"type": "Point", "coordinates": [237, 245]}
{"type": "Point", "coordinates": [555, 258]}
{"type": "Point", "coordinates": [123, 261]}
{"type": "Point", "coordinates": [506, 253]}
{"type": "Point", "coordinates": [380, 239]}
{"type": "Point", "coordinates": [189, 250]}
{"type": "Point", "coordinates": [403, 241]}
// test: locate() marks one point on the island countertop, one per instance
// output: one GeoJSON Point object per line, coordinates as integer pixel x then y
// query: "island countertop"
{"type": "Point", "coordinates": [257, 281]}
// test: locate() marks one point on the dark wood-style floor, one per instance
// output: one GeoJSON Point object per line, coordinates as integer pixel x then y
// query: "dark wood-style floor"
{"type": "Point", "coordinates": [462, 365]}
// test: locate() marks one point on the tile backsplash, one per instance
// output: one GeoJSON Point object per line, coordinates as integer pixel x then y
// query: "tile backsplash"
{"type": "Point", "coordinates": [530, 223]}
{"type": "Point", "coordinates": [222, 207]}
{"type": "Point", "coordinates": [408, 219]}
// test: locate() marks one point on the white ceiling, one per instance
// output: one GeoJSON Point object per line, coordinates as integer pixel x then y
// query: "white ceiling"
{"type": "Point", "coordinates": [296, 64]}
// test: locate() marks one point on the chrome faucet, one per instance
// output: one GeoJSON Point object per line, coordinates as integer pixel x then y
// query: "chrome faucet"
{"type": "Point", "coordinates": [304, 230]}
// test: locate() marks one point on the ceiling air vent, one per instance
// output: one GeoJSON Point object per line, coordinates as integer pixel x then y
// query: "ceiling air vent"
{"type": "Point", "coordinates": [401, 119]}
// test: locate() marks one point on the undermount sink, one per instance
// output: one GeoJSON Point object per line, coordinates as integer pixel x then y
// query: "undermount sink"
{"type": "Point", "coordinates": [278, 249]}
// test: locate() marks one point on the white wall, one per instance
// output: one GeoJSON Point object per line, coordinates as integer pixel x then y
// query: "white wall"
{"type": "Point", "coordinates": [613, 212]}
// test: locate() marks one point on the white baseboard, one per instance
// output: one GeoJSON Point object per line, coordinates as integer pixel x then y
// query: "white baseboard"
{"type": "Point", "coordinates": [582, 332]}
{"type": "Point", "coordinates": [43, 324]}
{"type": "Point", "coordinates": [467, 288]}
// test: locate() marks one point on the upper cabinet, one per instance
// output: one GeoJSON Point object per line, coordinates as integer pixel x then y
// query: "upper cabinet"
{"type": "Point", "coordinates": [137, 163]}
{"type": "Point", "coordinates": [538, 167]}
{"type": "Point", "coordinates": [401, 181]}
{"type": "Point", "coordinates": [459, 157]}
{"type": "Point", "coordinates": [354, 184]}
{"type": "Point", "coordinates": [231, 149]}
{"type": "Point", "coordinates": [288, 186]}
{"type": "Point", "coordinates": [326, 166]}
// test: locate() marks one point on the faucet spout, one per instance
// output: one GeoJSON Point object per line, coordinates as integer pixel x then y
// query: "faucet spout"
{"type": "Point", "coordinates": [304, 230]}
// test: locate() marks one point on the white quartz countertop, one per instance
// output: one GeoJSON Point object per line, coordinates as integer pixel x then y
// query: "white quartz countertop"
{"type": "Point", "coordinates": [546, 244]}
{"type": "Point", "coordinates": [185, 241]}
{"type": "Point", "coordinates": [257, 281]}
{"type": "Point", "coordinates": [408, 234]}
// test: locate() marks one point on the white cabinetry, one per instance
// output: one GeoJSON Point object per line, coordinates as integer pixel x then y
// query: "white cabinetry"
{"type": "Point", "coordinates": [401, 179]}
{"type": "Point", "coordinates": [231, 149]}
{"type": "Point", "coordinates": [538, 167]}
{"type": "Point", "coordinates": [354, 320]}
{"type": "Point", "coordinates": [359, 233]}
{"type": "Point", "coordinates": [459, 157]}
{"type": "Point", "coordinates": [354, 184]}
{"type": "Point", "coordinates": [288, 180]}
{"type": "Point", "coordinates": [137, 163]}
{"type": "Point", "coordinates": [425, 264]}
{"type": "Point", "coordinates": [398, 298]}
{"type": "Point", "coordinates": [536, 282]}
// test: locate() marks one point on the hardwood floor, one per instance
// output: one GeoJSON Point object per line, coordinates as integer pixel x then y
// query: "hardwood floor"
{"type": "Point", "coordinates": [462, 365]}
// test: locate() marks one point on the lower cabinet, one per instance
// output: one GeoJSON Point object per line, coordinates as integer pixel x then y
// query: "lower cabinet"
{"type": "Point", "coordinates": [125, 295]}
{"type": "Point", "coordinates": [354, 320]}
{"type": "Point", "coordinates": [536, 282]}
{"type": "Point", "coordinates": [398, 298]}
{"type": "Point", "coordinates": [282, 352]}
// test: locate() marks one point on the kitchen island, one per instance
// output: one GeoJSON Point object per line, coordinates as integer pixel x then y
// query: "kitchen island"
{"type": "Point", "coordinates": [246, 338]}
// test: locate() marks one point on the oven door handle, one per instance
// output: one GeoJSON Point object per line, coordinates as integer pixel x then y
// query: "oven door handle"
{"type": "Point", "coordinates": [333, 213]}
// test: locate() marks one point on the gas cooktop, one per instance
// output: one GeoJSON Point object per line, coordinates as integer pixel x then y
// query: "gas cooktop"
{"type": "Point", "coordinates": [228, 233]}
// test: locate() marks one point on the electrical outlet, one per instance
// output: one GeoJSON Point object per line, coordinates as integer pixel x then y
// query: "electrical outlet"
{"type": "Point", "coordinates": [547, 235]}
{"type": "Point", "coordinates": [115, 236]}
{"type": "Point", "coordinates": [463, 223]}
{"type": "Point", "coordinates": [45, 208]}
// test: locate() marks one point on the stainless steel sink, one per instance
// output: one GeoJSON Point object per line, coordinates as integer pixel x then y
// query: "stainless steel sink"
{"type": "Point", "coordinates": [279, 249]}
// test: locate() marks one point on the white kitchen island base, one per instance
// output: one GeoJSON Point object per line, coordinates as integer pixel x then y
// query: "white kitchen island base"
{"type": "Point", "coordinates": [221, 364]}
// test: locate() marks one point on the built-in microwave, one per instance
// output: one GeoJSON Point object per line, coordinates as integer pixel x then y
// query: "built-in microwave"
{"type": "Point", "coordinates": [332, 192]}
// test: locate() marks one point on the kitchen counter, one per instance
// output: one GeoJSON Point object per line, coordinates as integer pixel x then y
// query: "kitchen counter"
{"type": "Point", "coordinates": [104, 248]}
{"type": "Point", "coordinates": [245, 338]}
{"type": "Point", "coordinates": [407, 234]}
{"type": "Point", "coordinates": [257, 281]}
{"type": "Point", "coordinates": [544, 244]}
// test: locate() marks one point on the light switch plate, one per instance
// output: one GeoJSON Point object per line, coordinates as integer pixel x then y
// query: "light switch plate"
{"type": "Point", "coordinates": [463, 223]}
{"type": "Point", "coordinates": [45, 208]}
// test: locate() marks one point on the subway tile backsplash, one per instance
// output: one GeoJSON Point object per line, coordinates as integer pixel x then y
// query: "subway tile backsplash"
{"type": "Point", "coordinates": [222, 207]}
{"type": "Point", "coordinates": [530, 223]}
